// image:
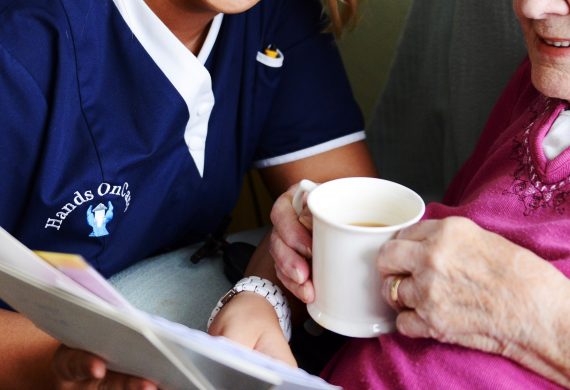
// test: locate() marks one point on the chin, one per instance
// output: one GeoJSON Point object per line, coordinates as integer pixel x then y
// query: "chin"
{"type": "Point", "coordinates": [552, 83]}
{"type": "Point", "coordinates": [233, 6]}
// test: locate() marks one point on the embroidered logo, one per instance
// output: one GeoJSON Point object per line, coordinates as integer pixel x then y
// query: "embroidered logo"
{"type": "Point", "coordinates": [98, 219]}
{"type": "Point", "coordinates": [526, 184]}
{"type": "Point", "coordinates": [97, 216]}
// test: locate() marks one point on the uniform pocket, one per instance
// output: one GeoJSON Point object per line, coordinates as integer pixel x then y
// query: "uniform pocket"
{"type": "Point", "coordinates": [272, 62]}
{"type": "Point", "coordinates": [268, 76]}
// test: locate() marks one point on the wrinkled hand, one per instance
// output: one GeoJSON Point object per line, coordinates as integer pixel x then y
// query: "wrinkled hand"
{"type": "Point", "coordinates": [76, 369]}
{"type": "Point", "coordinates": [250, 320]}
{"type": "Point", "coordinates": [465, 285]}
{"type": "Point", "coordinates": [290, 246]}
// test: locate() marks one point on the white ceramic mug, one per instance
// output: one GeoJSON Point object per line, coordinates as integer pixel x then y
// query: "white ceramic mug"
{"type": "Point", "coordinates": [347, 284]}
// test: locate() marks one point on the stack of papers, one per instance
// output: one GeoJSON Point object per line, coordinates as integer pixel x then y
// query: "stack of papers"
{"type": "Point", "coordinates": [64, 296]}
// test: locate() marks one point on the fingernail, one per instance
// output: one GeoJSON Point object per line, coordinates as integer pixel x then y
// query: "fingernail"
{"type": "Point", "coordinates": [309, 251]}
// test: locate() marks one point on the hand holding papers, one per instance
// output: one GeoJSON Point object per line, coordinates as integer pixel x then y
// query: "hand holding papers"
{"type": "Point", "coordinates": [68, 299]}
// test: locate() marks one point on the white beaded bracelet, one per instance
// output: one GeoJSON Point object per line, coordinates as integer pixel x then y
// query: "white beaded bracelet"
{"type": "Point", "coordinates": [266, 289]}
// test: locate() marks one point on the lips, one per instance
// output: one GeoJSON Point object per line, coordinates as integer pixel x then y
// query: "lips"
{"type": "Point", "coordinates": [550, 46]}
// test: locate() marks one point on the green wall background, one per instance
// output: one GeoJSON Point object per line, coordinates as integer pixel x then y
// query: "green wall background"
{"type": "Point", "coordinates": [368, 50]}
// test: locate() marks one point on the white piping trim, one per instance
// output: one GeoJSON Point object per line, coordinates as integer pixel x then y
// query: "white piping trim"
{"type": "Point", "coordinates": [311, 151]}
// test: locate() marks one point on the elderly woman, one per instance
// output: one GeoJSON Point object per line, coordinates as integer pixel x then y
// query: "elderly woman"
{"type": "Point", "coordinates": [482, 289]}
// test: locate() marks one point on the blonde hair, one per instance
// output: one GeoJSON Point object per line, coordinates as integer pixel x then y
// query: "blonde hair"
{"type": "Point", "coordinates": [342, 13]}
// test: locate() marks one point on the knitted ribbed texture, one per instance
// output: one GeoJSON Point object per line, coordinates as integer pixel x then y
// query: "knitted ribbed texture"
{"type": "Point", "coordinates": [453, 60]}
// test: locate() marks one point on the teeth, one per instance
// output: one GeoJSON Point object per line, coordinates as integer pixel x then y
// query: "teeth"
{"type": "Point", "coordinates": [558, 43]}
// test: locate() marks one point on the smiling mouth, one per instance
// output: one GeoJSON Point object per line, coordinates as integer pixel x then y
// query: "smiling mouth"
{"type": "Point", "coordinates": [561, 44]}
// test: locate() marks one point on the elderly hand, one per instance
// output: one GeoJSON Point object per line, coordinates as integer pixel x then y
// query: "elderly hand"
{"type": "Point", "coordinates": [290, 247]}
{"type": "Point", "coordinates": [464, 285]}
{"type": "Point", "coordinates": [76, 369]}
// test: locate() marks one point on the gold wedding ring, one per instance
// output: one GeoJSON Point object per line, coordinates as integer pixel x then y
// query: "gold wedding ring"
{"type": "Point", "coordinates": [394, 289]}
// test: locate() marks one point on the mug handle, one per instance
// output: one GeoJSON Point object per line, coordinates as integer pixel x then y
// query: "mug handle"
{"type": "Point", "coordinates": [305, 186]}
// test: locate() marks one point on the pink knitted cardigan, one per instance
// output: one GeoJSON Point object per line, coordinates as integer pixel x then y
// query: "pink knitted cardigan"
{"type": "Point", "coordinates": [508, 187]}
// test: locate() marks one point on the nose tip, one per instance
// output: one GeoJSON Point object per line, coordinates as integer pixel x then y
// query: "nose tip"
{"type": "Point", "coordinates": [541, 9]}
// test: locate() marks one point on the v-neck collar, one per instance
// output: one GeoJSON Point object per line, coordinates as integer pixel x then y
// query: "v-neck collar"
{"type": "Point", "coordinates": [183, 69]}
{"type": "Point", "coordinates": [149, 29]}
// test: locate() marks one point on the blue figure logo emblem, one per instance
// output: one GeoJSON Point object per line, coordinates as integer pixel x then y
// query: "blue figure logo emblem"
{"type": "Point", "coordinates": [98, 219]}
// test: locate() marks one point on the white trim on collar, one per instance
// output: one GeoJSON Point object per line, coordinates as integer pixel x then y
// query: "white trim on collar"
{"type": "Point", "coordinates": [177, 63]}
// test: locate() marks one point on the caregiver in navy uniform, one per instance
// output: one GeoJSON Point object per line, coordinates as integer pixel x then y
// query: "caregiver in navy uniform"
{"type": "Point", "coordinates": [126, 129]}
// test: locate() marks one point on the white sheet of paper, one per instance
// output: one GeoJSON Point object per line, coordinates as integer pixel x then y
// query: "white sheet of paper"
{"type": "Point", "coordinates": [134, 342]}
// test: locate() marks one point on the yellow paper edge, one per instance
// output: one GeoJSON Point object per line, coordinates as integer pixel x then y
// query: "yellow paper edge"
{"type": "Point", "coordinates": [66, 260]}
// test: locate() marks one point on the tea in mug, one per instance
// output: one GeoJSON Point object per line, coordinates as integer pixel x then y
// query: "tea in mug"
{"type": "Point", "coordinates": [369, 224]}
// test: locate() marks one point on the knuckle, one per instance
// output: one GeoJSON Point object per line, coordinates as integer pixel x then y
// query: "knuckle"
{"type": "Point", "coordinates": [387, 248]}
{"type": "Point", "coordinates": [463, 221]}
{"type": "Point", "coordinates": [453, 225]}
{"type": "Point", "coordinates": [448, 226]}
{"type": "Point", "coordinates": [274, 213]}
{"type": "Point", "coordinates": [433, 258]}
{"type": "Point", "coordinates": [429, 295]}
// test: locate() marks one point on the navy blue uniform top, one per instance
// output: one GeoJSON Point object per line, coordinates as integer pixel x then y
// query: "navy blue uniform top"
{"type": "Point", "coordinates": [93, 158]}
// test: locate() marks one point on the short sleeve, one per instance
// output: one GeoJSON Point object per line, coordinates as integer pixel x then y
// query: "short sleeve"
{"type": "Point", "coordinates": [313, 109]}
